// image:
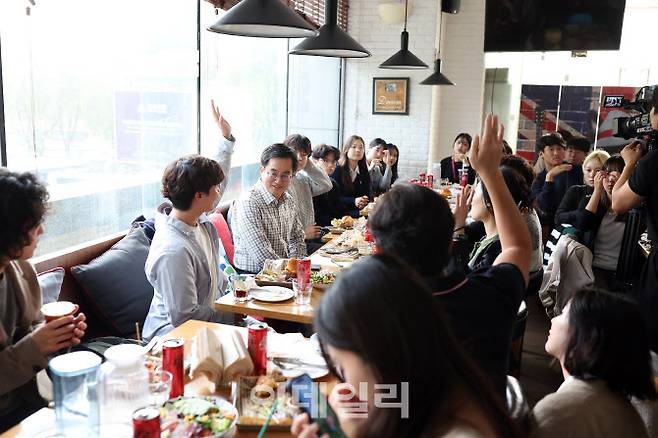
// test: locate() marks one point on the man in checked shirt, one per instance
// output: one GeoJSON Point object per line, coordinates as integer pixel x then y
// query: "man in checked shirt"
{"type": "Point", "coordinates": [265, 222]}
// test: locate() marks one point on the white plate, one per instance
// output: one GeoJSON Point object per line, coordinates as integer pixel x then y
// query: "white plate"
{"type": "Point", "coordinates": [314, 373]}
{"type": "Point", "coordinates": [271, 294]}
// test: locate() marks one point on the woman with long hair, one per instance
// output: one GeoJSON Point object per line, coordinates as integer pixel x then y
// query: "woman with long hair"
{"type": "Point", "coordinates": [352, 176]}
{"type": "Point", "coordinates": [577, 197]}
{"type": "Point", "coordinates": [379, 324]}
{"type": "Point", "coordinates": [518, 175]}
{"type": "Point", "coordinates": [602, 345]}
{"type": "Point", "coordinates": [391, 158]}
{"type": "Point", "coordinates": [452, 165]}
{"type": "Point", "coordinates": [602, 230]}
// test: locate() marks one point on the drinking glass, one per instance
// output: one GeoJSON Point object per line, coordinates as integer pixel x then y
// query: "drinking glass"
{"type": "Point", "coordinates": [159, 386]}
{"type": "Point", "coordinates": [302, 295]}
{"type": "Point", "coordinates": [240, 286]}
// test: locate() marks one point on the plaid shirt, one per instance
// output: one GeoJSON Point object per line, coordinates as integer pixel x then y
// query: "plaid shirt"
{"type": "Point", "coordinates": [265, 228]}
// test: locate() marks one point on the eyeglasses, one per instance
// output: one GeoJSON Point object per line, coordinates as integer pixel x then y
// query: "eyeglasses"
{"type": "Point", "coordinates": [277, 175]}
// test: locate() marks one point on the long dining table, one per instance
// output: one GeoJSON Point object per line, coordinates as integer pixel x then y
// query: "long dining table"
{"type": "Point", "coordinates": [44, 420]}
{"type": "Point", "coordinates": [286, 310]}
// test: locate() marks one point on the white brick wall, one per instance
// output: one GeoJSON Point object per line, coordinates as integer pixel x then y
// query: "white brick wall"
{"type": "Point", "coordinates": [458, 108]}
{"type": "Point", "coordinates": [410, 133]}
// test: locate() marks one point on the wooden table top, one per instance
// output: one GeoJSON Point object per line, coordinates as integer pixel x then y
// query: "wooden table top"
{"type": "Point", "coordinates": [284, 310]}
{"type": "Point", "coordinates": [45, 418]}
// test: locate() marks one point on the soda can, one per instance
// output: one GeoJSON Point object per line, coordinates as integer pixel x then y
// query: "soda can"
{"type": "Point", "coordinates": [303, 271]}
{"type": "Point", "coordinates": [173, 351]}
{"type": "Point", "coordinates": [464, 176]}
{"type": "Point", "coordinates": [430, 181]}
{"type": "Point", "coordinates": [146, 422]}
{"type": "Point", "coordinates": [257, 342]}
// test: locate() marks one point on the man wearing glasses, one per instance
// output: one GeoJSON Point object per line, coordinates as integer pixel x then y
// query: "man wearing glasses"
{"type": "Point", "coordinates": [265, 223]}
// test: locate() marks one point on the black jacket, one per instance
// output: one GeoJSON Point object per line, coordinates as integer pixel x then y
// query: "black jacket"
{"type": "Point", "coordinates": [588, 224]}
{"type": "Point", "coordinates": [447, 171]}
{"type": "Point", "coordinates": [549, 194]}
{"type": "Point", "coordinates": [328, 206]}
{"type": "Point", "coordinates": [574, 201]}
{"type": "Point", "coordinates": [360, 187]}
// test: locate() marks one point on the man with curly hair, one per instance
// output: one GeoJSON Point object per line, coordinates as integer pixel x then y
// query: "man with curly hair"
{"type": "Point", "coordinates": [26, 342]}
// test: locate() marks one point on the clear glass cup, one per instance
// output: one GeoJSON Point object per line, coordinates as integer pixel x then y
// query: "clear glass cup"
{"type": "Point", "coordinates": [159, 386]}
{"type": "Point", "coordinates": [240, 287]}
{"type": "Point", "coordinates": [302, 295]}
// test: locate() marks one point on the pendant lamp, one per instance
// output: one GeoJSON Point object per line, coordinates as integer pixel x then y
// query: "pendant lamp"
{"type": "Point", "coordinates": [263, 18]}
{"type": "Point", "coordinates": [404, 59]}
{"type": "Point", "coordinates": [331, 41]}
{"type": "Point", "coordinates": [437, 78]}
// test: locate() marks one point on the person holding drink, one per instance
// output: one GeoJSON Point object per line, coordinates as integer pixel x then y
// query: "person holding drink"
{"type": "Point", "coordinates": [26, 341]}
{"type": "Point", "coordinates": [452, 166]}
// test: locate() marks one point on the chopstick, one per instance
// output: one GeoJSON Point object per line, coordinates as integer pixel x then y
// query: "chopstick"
{"type": "Point", "coordinates": [261, 434]}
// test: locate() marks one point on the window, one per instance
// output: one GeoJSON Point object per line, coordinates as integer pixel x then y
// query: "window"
{"type": "Point", "coordinates": [97, 104]}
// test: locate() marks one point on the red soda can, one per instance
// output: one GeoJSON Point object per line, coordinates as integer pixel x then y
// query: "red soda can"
{"type": "Point", "coordinates": [303, 271]}
{"type": "Point", "coordinates": [464, 177]}
{"type": "Point", "coordinates": [367, 236]}
{"type": "Point", "coordinates": [422, 178]}
{"type": "Point", "coordinates": [257, 342]}
{"type": "Point", "coordinates": [146, 422]}
{"type": "Point", "coordinates": [172, 360]}
{"type": "Point", "coordinates": [430, 181]}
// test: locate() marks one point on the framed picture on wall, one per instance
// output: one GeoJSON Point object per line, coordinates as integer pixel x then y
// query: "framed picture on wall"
{"type": "Point", "coordinates": [390, 96]}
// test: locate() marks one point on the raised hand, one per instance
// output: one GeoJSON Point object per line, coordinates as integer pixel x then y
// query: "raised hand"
{"type": "Point", "coordinates": [632, 153]}
{"type": "Point", "coordinates": [487, 150]}
{"type": "Point", "coordinates": [463, 205]}
{"type": "Point", "coordinates": [221, 122]}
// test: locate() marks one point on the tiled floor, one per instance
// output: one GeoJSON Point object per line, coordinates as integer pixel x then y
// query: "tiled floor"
{"type": "Point", "coordinates": [540, 374]}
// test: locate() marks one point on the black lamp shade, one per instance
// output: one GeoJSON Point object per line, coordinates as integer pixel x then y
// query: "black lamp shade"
{"type": "Point", "coordinates": [450, 6]}
{"type": "Point", "coordinates": [331, 41]}
{"type": "Point", "coordinates": [437, 78]}
{"type": "Point", "coordinates": [263, 18]}
{"type": "Point", "coordinates": [404, 59]}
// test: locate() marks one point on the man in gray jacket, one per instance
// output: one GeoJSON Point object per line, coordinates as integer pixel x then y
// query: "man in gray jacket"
{"type": "Point", "coordinates": [183, 261]}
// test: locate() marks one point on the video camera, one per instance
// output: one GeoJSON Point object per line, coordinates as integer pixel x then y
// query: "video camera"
{"type": "Point", "coordinates": [638, 126]}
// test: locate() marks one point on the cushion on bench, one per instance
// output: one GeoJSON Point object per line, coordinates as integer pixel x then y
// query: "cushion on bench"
{"type": "Point", "coordinates": [116, 284]}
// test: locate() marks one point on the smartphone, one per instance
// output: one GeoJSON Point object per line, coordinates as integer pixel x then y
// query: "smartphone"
{"type": "Point", "coordinates": [315, 404]}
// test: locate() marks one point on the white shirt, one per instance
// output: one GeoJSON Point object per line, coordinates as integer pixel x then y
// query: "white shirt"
{"type": "Point", "coordinates": [202, 238]}
{"type": "Point", "coordinates": [354, 173]}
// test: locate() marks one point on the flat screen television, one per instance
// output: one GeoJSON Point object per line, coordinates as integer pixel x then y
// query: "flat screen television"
{"type": "Point", "coordinates": [550, 25]}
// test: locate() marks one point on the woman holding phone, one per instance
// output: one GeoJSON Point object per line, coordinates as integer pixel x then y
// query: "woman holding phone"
{"type": "Point", "coordinates": [379, 325]}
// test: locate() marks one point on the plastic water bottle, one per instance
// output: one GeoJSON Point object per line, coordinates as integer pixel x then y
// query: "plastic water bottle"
{"type": "Point", "coordinates": [75, 378]}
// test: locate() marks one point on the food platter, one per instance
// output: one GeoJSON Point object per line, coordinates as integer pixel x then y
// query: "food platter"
{"type": "Point", "coordinates": [198, 417]}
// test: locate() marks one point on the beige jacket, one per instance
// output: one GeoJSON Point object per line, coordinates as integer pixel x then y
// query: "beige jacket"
{"type": "Point", "coordinates": [586, 409]}
{"type": "Point", "coordinates": [20, 361]}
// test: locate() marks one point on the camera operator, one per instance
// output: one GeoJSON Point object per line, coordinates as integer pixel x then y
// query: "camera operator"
{"type": "Point", "coordinates": [639, 183]}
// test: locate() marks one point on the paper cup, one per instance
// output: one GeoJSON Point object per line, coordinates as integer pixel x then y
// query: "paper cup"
{"type": "Point", "coordinates": [58, 309]}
